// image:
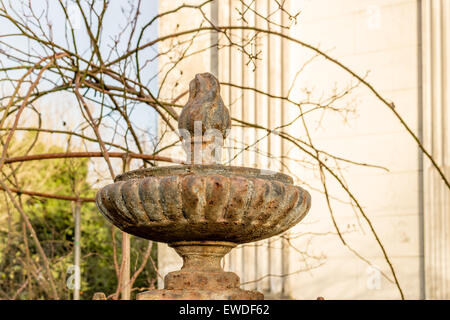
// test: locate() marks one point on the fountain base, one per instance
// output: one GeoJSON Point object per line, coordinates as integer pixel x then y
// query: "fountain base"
{"type": "Point", "coordinates": [202, 276]}
{"type": "Point", "coordinates": [234, 294]}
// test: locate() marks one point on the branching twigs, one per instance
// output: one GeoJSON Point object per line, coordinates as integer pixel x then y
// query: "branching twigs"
{"type": "Point", "coordinates": [24, 103]}
{"type": "Point", "coordinates": [49, 195]}
{"type": "Point", "coordinates": [143, 263]}
{"type": "Point", "coordinates": [315, 154]}
{"type": "Point", "coordinates": [90, 155]}
{"type": "Point", "coordinates": [109, 85]}
{"type": "Point", "coordinates": [387, 103]}
{"type": "Point", "coordinates": [35, 238]}
{"type": "Point", "coordinates": [94, 125]}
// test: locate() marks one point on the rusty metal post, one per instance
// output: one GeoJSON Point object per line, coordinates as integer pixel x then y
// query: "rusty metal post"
{"type": "Point", "coordinates": [77, 251]}
{"type": "Point", "coordinates": [125, 279]}
{"type": "Point", "coordinates": [214, 51]}
{"type": "Point", "coordinates": [125, 292]}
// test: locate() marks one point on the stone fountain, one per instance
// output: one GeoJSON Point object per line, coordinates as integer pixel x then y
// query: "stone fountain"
{"type": "Point", "coordinates": [203, 209]}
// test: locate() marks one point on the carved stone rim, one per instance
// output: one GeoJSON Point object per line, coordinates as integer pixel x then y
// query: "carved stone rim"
{"type": "Point", "coordinates": [213, 169]}
{"type": "Point", "coordinates": [202, 243]}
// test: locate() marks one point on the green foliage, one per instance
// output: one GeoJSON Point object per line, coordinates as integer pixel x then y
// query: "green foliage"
{"type": "Point", "coordinates": [22, 273]}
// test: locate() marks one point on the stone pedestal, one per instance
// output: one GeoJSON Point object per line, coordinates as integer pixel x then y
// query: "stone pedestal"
{"type": "Point", "coordinates": [202, 276]}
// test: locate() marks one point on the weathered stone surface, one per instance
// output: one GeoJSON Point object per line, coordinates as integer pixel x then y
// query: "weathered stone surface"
{"type": "Point", "coordinates": [203, 210]}
{"type": "Point", "coordinates": [203, 203]}
{"type": "Point", "coordinates": [205, 105]}
{"type": "Point", "coordinates": [232, 294]}
{"type": "Point", "coordinates": [201, 276]}
{"type": "Point", "coordinates": [99, 296]}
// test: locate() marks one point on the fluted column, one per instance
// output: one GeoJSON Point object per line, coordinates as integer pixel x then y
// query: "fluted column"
{"type": "Point", "coordinates": [436, 135]}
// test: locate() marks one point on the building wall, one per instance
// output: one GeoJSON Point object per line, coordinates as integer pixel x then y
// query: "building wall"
{"type": "Point", "coordinates": [435, 29]}
{"type": "Point", "coordinates": [380, 37]}
{"type": "Point", "coordinates": [385, 38]}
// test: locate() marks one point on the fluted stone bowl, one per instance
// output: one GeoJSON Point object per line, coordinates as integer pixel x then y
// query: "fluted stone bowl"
{"type": "Point", "coordinates": [203, 202]}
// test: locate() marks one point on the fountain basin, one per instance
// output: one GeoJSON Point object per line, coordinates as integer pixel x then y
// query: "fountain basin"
{"type": "Point", "coordinates": [203, 203]}
{"type": "Point", "coordinates": [203, 210]}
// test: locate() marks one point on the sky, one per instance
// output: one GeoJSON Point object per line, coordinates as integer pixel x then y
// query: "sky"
{"type": "Point", "coordinates": [143, 116]}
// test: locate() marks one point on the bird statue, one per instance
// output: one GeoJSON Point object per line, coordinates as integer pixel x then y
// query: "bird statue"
{"type": "Point", "coordinates": [205, 105]}
{"type": "Point", "coordinates": [204, 121]}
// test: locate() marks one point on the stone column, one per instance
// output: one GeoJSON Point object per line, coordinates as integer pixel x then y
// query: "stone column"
{"type": "Point", "coordinates": [269, 73]}
{"type": "Point", "coordinates": [436, 135]}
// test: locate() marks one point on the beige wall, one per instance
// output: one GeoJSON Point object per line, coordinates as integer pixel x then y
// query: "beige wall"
{"type": "Point", "coordinates": [383, 37]}
{"type": "Point", "coordinates": [436, 132]}
{"type": "Point", "coordinates": [380, 37]}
